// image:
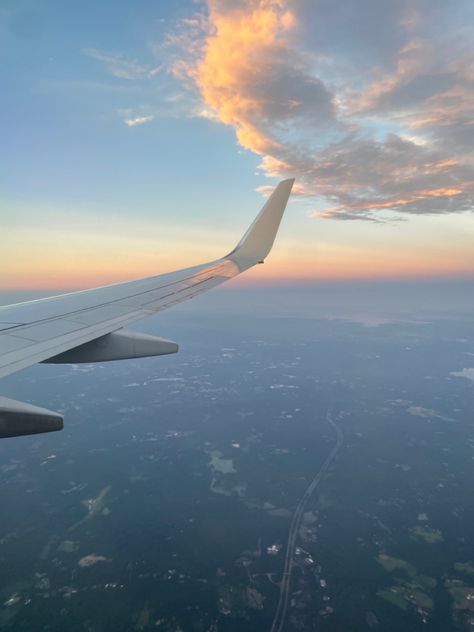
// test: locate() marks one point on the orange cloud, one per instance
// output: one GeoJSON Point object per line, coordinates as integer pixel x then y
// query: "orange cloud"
{"type": "Point", "coordinates": [253, 73]}
{"type": "Point", "coordinates": [248, 74]}
{"type": "Point", "coordinates": [392, 204]}
{"type": "Point", "coordinates": [239, 40]}
{"type": "Point", "coordinates": [412, 59]}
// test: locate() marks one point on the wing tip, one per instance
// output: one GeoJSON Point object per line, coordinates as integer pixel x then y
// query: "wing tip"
{"type": "Point", "coordinates": [258, 239]}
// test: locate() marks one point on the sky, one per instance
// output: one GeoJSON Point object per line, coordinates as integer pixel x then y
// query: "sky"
{"type": "Point", "coordinates": [140, 137]}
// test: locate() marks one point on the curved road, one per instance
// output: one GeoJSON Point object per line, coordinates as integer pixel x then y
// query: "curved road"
{"type": "Point", "coordinates": [282, 607]}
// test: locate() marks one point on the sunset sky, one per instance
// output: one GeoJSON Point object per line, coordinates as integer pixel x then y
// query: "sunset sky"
{"type": "Point", "coordinates": [140, 137]}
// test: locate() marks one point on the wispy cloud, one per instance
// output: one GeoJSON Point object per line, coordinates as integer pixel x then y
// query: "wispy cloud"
{"type": "Point", "coordinates": [123, 67]}
{"type": "Point", "coordinates": [368, 104]}
{"type": "Point", "coordinates": [138, 120]}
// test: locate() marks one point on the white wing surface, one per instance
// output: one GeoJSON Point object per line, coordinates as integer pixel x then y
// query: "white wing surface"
{"type": "Point", "coordinates": [88, 326]}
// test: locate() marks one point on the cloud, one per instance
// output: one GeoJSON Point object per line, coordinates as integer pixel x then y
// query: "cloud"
{"type": "Point", "coordinates": [341, 214]}
{"type": "Point", "coordinates": [123, 67]}
{"type": "Point", "coordinates": [368, 104]}
{"type": "Point", "coordinates": [366, 176]}
{"type": "Point", "coordinates": [138, 120]}
{"type": "Point", "coordinates": [248, 74]}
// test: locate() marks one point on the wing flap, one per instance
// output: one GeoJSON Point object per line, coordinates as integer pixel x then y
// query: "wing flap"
{"type": "Point", "coordinates": [26, 351]}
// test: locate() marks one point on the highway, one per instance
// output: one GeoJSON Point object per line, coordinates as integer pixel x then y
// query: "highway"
{"type": "Point", "coordinates": [282, 607]}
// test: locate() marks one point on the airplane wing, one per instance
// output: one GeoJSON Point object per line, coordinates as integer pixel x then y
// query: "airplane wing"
{"type": "Point", "coordinates": [88, 326]}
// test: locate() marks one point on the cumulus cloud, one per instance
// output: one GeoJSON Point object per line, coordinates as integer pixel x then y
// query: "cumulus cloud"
{"type": "Point", "coordinates": [369, 104]}
{"type": "Point", "coordinates": [363, 175]}
{"type": "Point", "coordinates": [248, 74]}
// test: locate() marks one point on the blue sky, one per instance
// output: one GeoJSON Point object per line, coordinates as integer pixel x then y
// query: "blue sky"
{"type": "Point", "coordinates": [140, 136]}
{"type": "Point", "coordinates": [63, 121]}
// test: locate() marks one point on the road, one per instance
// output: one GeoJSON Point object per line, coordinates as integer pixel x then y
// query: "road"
{"type": "Point", "coordinates": [282, 607]}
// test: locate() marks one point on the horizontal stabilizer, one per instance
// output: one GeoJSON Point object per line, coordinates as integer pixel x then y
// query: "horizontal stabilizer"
{"type": "Point", "coordinates": [18, 418]}
{"type": "Point", "coordinates": [118, 345]}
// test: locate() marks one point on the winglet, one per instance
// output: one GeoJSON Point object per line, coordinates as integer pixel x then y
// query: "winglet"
{"type": "Point", "coordinates": [258, 240]}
